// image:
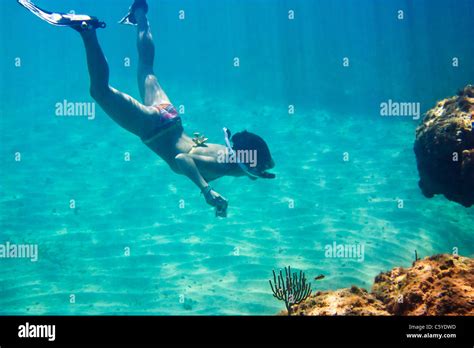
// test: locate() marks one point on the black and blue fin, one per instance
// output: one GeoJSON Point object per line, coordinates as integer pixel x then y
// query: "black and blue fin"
{"type": "Point", "coordinates": [78, 22]}
{"type": "Point", "coordinates": [130, 16]}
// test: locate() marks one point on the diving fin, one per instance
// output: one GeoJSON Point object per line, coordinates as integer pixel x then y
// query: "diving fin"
{"type": "Point", "coordinates": [130, 16]}
{"type": "Point", "coordinates": [78, 22]}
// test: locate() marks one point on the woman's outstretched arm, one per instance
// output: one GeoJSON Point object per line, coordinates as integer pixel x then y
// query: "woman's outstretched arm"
{"type": "Point", "coordinates": [188, 167]}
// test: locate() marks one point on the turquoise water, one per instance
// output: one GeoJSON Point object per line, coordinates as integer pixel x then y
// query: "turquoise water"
{"type": "Point", "coordinates": [184, 261]}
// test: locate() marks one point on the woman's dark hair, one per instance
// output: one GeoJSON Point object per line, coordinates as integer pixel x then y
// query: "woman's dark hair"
{"type": "Point", "coordinates": [249, 141]}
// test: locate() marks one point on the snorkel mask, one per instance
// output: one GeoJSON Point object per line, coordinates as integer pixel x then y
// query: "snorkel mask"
{"type": "Point", "coordinates": [253, 173]}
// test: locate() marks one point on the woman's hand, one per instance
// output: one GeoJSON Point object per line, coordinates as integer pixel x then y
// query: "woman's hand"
{"type": "Point", "coordinates": [217, 201]}
{"type": "Point", "coordinates": [188, 167]}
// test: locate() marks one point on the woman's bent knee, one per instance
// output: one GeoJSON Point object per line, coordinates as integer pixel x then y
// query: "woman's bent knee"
{"type": "Point", "coordinates": [99, 93]}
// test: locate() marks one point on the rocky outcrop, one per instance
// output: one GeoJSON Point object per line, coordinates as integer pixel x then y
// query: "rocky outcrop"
{"type": "Point", "coordinates": [444, 149]}
{"type": "Point", "coordinates": [351, 301]}
{"type": "Point", "coordinates": [436, 285]}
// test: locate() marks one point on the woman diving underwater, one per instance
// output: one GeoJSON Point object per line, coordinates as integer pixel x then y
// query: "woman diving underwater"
{"type": "Point", "coordinates": [156, 121]}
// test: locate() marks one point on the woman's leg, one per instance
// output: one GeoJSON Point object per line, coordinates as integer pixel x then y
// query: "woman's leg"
{"type": "Point", "coordinates": [150, 90]}
{"type": "Point", "coordinates": [123, 109]}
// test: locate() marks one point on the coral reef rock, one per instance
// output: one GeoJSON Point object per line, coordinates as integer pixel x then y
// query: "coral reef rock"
{"type": "Point", "coordinates": [444, 149]}
{"type": "Point", "coordinates": [437, 285]}
{"type": "Point", "coordinates": [353, 301]}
